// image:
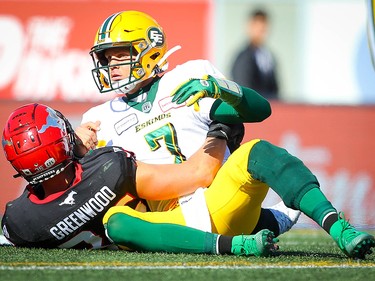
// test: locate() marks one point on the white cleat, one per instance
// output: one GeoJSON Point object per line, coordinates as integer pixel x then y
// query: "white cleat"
{"type": "Point", "coordinates": [286, 217]}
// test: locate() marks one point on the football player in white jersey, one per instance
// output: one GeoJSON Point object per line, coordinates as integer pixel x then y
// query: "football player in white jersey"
{"type": "Point", "coordinates": [130, 57]}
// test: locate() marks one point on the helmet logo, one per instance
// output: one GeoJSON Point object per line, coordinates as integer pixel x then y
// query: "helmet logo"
{"type": "Point", "coordinates": [52, 121]}
{"type": "Point", "coordinates": [6, 142]}
{"type": "Point", "coordinates": [156, 36]}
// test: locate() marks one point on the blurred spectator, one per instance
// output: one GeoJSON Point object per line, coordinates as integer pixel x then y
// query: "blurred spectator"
{"type": "Point", "coordinates": [255, 66]}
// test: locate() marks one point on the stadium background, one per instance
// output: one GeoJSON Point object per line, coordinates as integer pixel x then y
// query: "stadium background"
{"type": "Point", "coordinates": [327, 81]}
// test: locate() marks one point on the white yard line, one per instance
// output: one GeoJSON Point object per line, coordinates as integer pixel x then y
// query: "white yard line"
{"type": "Point", "coordinates": [130, 267]}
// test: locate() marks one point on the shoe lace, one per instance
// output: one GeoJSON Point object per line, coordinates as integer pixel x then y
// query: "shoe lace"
{"type": "Point", "coordinates": [251, 247]}
{"type": "Point", "coordinates": [348, 232]}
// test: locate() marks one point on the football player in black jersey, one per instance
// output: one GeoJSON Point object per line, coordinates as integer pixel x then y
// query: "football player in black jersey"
{"type": "Point", "coordinates": [66, 199]}
{"type": "Point", "coordinates": [81, 191]}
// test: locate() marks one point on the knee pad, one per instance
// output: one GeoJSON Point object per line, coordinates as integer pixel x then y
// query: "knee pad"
{"type": "Point", "coordinates": [120, 229]}
{"type": "Point", "coordinates": [284, 173]}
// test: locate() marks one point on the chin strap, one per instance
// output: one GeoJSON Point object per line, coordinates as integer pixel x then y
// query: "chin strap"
{"type": "Point", "coordinates": [162, 60]}
{"type": "Point", "coordinates": [72, 136]}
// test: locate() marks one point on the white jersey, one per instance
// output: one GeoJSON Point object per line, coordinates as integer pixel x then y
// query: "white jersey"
{"type": "Point", "coordinates": [154, 128]}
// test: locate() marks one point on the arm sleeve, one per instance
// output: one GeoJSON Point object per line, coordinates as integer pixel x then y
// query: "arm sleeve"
{"type": "Point", "coordinates": [252, 108]}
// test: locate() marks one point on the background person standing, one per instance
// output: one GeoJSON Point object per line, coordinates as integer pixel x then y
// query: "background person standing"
{"type": "Point", "coordinates": [255, 65]}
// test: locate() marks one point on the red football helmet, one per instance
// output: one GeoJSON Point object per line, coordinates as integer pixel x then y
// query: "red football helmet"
{"type": "Point", "coordinates": [38, 142]}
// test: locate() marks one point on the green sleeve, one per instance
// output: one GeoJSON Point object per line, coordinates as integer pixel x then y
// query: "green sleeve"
{"type": "Point", "coordinates": [140, 235]}
{"type": "Point", "coordinates": [252, 108]}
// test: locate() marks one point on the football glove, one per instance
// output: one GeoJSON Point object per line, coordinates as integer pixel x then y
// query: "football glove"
{"type": "Point", "coordinates": [219, 130]}
{"type": "Point", "coordinates": [232, 133]}
{"type": "Point", "coordinates": [236, 136]}
{"type": "Point", "coordinates": [194, 89]}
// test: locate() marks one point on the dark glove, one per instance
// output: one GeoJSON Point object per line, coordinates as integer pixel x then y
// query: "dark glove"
{"type": "Point", "coordinates": [232, 133]}
{"type": "Point", "coordinates": [236, 136]}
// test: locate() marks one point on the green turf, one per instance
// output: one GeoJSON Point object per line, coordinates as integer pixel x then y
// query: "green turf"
{"type": "Point", "coordinates": [303, 255]}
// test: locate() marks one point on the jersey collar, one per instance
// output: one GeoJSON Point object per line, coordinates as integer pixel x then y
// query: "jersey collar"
{"type": "Point", "coordinates": [34, 198]}
{"type": "Point", "coordinates": [144, 98]}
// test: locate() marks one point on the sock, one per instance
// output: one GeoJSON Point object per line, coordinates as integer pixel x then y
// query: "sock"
{"type": "Point", "coordinates": [267, 220]}
{"type": "Point", "coordinates": [316, 206]}
{"type": "Point", "coordinates": [335, 228]}
{"type": "Point", "coordinates": [137, 234]}
{"type": "Point", "coordinates": [224, 244]}
{"type": "Point", "coordinates": [329, 220]}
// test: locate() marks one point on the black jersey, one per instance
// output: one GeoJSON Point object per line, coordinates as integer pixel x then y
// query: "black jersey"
{"type": "Point", "coordinates": [73, 218]}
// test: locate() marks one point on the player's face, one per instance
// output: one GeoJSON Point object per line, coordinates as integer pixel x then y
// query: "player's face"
{"type": "Point", "coordinates": [117, 56]}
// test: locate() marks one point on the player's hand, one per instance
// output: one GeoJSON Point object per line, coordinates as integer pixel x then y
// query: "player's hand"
{"type": "Point", "coordinates": [219, 130]}
{"type": "Point", "coordinates": [232, 133]}
{"type": "Point", "coordinates": [237, 132]}
{"type": "Point", "coordinates": [194, 89]}
{"type": "Point", "coordinates": [86, 138]}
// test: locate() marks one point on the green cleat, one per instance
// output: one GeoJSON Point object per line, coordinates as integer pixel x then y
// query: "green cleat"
{"type": "Point", "coordinates": [261, 244]}
{"type": "Point", "coordinates": [355, 244]}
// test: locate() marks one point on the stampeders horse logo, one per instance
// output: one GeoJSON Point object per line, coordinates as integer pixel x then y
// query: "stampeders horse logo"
{"type": "Point", "coordinates": [69, 200]}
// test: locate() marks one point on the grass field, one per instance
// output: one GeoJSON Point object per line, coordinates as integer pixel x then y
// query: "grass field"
{"type": "Point", "coordinates": [303, 255]}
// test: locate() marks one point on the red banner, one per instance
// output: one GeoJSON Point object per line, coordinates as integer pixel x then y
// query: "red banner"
{"type": "Point", "coordinates": [44, 46]}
